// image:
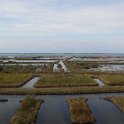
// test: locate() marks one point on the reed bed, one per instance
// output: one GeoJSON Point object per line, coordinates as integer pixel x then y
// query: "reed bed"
{"type": "Point", "coordinates": [14, 79]}
{"type": "Point", "coordinates": [27, 111]}
{"type": "Point", "coordinates": [63, 90]}
{"type": "Point", "coordinates": [64, 80]}
{"type": "Point", "coordinates": [29, 68]}
{"type": "Point", "coordinates": [79, 111]}
{"type": "Point", "coordinates": [76, 66]}
{"type": "Point", "coordinates": [115, 79]}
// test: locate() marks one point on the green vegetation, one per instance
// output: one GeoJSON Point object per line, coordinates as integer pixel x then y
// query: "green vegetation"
{"type": "Point", "coordinates": [78, 66]}
{"type": "Point", "coordinates": [63, 90]}
{"type": "Point", "coordinates": [19, 69]}
{"type": "Point", "coordinates": [80, 112]}
{"type": "Point", "coordinates": [118, 101]}
{"type": "Point", "coordinates": [13, 79]}
{"type": "Point", "coordinates": [29, 68]}
{"type": "Point", "coordinates": [65, 80]}
{"type": "Point", "coordinates": [26, 113]}
{"type": "Point", "coordinates": [59, 83]}
{"type": "Point", "coordinates": [112, 79]}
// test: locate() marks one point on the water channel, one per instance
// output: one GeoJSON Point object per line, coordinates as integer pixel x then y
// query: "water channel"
{"type": "Point", "coordinates": [55, 110]}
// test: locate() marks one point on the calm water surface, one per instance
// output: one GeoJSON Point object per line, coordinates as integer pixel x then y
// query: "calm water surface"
{"type": "Point", "coordinates": [55, 110]}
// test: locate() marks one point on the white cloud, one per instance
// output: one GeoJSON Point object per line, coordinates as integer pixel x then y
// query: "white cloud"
{"type": "Point", "coordinates": [53, 18]}
{"type": "Point", "coordinates": [95, 19]}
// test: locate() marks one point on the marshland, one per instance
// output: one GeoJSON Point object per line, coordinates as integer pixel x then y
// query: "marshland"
{"type": "Point", "coordinates": [27, 111]}
{"type": "Point", "coordinates": [76, 91]}
{"type": "Point", "coordinates": [79, 110]}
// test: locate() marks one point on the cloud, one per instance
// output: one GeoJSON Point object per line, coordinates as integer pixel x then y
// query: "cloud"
{"type": "Point", "coordinates": [61, 20]}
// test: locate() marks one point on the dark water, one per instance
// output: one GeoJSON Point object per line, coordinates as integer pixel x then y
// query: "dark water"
{"type": "Point", "coordinates": [55, 110]}
{"type": "Point", "coordinates": [7, 109]}
{"type": "Point", "coordinates": [105, 112]}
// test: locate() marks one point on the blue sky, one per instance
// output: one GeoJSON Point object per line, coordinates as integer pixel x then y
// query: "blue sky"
{"type": "Point", "coordinates": [62, 26]}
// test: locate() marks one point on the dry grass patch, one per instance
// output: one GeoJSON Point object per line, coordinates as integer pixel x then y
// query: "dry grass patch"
{"type": "Point", "coordinates": [78, 66]}
{"type": "Point", "coordinates": [80, 112]}
{"type": "Point", "coordinates": [13, 79]}
{"type": "Point", "coordinates": [113, 79]}
{"type": "Point", "coordinates": [27, 112]}
{"type": "Point", "coordinates": [63, 90]}
{"type": "Point", "coordinates": [64, 80]}
{"type": "Point", "coordinates": [27, 68]}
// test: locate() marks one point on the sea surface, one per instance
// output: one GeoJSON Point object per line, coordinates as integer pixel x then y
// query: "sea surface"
{"type": "Point", "coordinates": [61, 54]}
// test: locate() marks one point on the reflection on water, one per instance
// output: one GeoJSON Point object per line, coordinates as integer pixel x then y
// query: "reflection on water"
{"type": "Point", "coordinates": [30, 83]}
{"type": "Point", "coordinates": [7, 109]}
{"type": "Point", "coordinates": [63, 66]}
{"type": "Point", "coordinates": [105, 112]}
{"type": "Point", "coordinates": [55, 110]}
{"type": "Point", "coordinates": [109, 68]}
{"type": "Point", "coordinates": [55, 68]}
{"type": "Point", "coordinates": [99, 82]}
{"type": "Point", "coordinates": [26, 64]}
{"type": "Point", "coordinates": [29, 61]}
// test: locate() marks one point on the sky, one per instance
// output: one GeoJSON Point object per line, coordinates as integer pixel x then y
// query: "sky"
{"type": "Point", "coordinates": [62, 26]}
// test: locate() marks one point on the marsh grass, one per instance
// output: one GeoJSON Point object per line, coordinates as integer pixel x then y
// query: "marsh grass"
{"type": "Point", "coordinates": [14, 79]}
{"type": "Point", "coordinates": [29, 68]}
{"type": "Point", "coordinates": [27, 112]}
{"type": "Point", "coordinates": [118, 101]}
{"type": "Point", "coordinates": [64, 80]}
{"type": "Point", "coordinates": [78, 66]}
{"type": "Point", "coordinates": [63, 90]}
{"type": "Point", "coordinates": [79, 111]}
{"type": "Point", "coordinates": [113, 79]}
